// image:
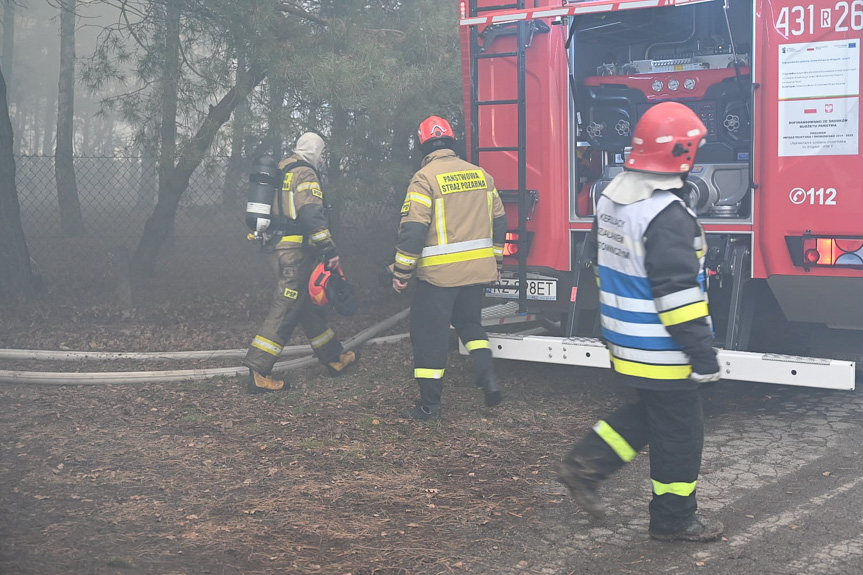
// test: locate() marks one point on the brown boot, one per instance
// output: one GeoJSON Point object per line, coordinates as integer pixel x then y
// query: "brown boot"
{"type": "Point", "coordinates": [346, 359]}
{"type": "Point", "coordinates": [265, 383]}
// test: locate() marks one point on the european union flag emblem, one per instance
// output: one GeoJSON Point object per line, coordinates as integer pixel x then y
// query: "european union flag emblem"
{"type": "Point", "coordinates": [852, 44]}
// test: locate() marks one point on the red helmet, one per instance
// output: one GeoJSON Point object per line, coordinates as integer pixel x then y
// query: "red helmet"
{"type": "Point", "coordinates": [326, 287]}
{"type": "Point", "coordinates": [434, 127]}
{"type": "Point", "coordinates": [666, 140]}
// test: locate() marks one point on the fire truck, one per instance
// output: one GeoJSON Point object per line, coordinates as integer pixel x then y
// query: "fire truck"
{"type": "Point", "coordinates": [552, 92]}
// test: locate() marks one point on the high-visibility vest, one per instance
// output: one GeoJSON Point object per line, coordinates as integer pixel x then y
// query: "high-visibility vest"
{"type": "Point", "coordinates": [633, 321]}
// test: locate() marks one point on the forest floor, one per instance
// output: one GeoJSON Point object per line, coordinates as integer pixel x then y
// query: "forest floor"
{"type": "Point", "coordinates": [202, 477]}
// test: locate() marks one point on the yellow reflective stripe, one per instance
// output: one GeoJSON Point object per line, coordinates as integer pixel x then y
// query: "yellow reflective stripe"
{"type": "Point", "coordinates": [456, 247]}
{"type": "Point", "coordinates": [308, 186]}
{"type": "Point", "coordinates": [650, 371]}
{"type": "Point", "coordinates": [292, 239]}
{"type": "Point", "coordinates": [267, 345]}
{"type": "Point", "coordinates": [477, 344]}
{"type": "Point", "coordinates": [491, 213]}
{"type": "Point", "coordinates": [424, 373]}
{"type": "Point", "coordinates": [320, 236]}
{"type": "Point", "coordinates": [440, 222]}
{"type": "Point", "coordinates": [419, 198]}
{"type": "Point", "coordinates": [406, 260]}
{"type": "Point", "coordinates": [615, 441]}
{"type": "Point", "coordinates": [498, 251]}
{"type": "Point", "coordinates": [679, 488]}
{"type": "Point", "coordinates": [286, 187]}
{"type": "Point", "coordinates": [323, 339]}
{"type": "Point", "coordinates": [685, 313]}
{"type": "Point", "coordinates": [457, 257]}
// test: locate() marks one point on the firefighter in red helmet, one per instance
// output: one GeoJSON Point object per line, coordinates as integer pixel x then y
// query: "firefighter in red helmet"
{"type": "Point", "coordinates": [303, 239]}
{"type": "Point", "coordinates": [451, 235]}
{"type": "Point", "coordinates": [649, 254]}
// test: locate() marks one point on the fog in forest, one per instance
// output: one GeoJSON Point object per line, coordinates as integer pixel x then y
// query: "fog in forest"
{"type": "Point", "coordinates": [31, 67]}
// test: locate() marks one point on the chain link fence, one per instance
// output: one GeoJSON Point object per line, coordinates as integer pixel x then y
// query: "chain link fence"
{"type": "Point", "coordinates": [208, 246]}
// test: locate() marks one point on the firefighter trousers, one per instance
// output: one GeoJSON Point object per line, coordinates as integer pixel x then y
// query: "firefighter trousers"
{"type": "Point", "coordinates": [433, 310]}
{"type": "Point", "coordinates": [672, 423]}
{"type": "Point", "coordinates": [291, 306]}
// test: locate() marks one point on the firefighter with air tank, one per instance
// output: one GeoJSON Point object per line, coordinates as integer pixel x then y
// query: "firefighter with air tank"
{"type": "Point", "coordinates": [649, 252]}
{"type": "Point", "coordinates": [294, 222]}
{"type": "Point", "coordinates": [451, 233]}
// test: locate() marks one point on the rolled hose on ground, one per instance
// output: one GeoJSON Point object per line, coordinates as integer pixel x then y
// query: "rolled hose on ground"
{"type": "Point", "coordinates": [119, 378]}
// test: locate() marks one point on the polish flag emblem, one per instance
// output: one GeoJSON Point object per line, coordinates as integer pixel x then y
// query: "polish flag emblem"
{"type": "Point", "coordinates": [828, 108]}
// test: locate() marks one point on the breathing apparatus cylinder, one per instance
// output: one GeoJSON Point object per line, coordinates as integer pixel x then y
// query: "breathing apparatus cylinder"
{"type": "Point", "coordinates": [263, 184]}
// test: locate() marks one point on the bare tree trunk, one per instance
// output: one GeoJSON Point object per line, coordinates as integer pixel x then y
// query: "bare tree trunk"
{"type": "Point", "coordinates": [108, 138]}
{"type": "Point", "coordinates": [86, 136]}
{"type": "Point", "coordinates": [71, 220]}
{"type": "Point", "coordinates": [159, 224]}
{"type": "Point", "coordinates": [237, 164]}
{"type": "Point", "coordinates": [147, 183]}
{"type": "Point", "coordinates": [334, 189]}
{"type": "Point", "coordinates": [401, 154]}
{"type": "Point", "coordinates": [274, 133]}
{"type": "Point", "coordinates": [48, 131]}
{"type": "Point", "coordinates": [16, 275]}
{"type": "Point", "coordinates": [9, 40]}
{"type": "Point", "coordinates": [168, 121]}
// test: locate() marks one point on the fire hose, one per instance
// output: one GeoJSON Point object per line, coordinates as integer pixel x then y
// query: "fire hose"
{"type": "Point", "coordinates": [119, 378]}
{"type": "Point", "coordinates": [495, 315]}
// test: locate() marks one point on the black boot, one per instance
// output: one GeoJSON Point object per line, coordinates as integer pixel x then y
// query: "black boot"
{"type": "Point", "coordinates": [428, 407]}
{"type": "Point", "coordinates": [493, 392]}
{"type": "Point", "coordinates": [582, 484]}
{"type": "Point", "coordinates": [422, 413]}
{"type": "Point", "coordinates": [696, 528]}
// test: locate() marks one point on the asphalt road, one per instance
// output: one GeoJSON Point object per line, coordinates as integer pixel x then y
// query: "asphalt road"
{"type": "Point", "coordinates": [782, 469]}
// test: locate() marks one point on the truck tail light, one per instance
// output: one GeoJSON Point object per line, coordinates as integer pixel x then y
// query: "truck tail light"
{"type": "Point", "coordinates": [510, 246]}
{"type": "Point", "coordinates": [825, 251]}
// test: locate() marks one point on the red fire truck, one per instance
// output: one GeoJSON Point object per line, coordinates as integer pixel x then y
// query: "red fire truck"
{"type": "Point", "coordinates": [552, 91]}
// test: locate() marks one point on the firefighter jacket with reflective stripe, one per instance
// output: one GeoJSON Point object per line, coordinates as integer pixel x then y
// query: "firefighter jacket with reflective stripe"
{"type": "Point", "coordinates": [301, 200]}
{"type": "Point", "coordinates": [453, 224]}
{"type": "Point", "coordinates": [653, 291]}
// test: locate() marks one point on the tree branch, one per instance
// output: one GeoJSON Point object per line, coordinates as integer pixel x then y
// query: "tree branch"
{"type": "Point", "coordinates": [290, 9]}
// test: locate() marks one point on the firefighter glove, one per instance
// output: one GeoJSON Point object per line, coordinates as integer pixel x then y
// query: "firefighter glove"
{"type": "Point", "coordinates": [705, 378]}
{"type": "Point", "coordinates": [385, 275]}
{"type": "Point", "coordinates": [705, 369]}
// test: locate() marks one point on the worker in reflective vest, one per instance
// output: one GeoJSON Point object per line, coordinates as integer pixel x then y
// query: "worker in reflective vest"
{"type": "Point", "coordinates": [302, 236]}
{"type": "Point", "coordinates": [649, 253]}
{"type": "Point", "coordinates": [452, 232]}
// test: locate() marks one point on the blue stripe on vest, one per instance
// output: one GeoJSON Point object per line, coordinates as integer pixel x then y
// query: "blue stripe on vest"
{"type": "Point", "coordinates": [635, 342]}
{"type": "Point", "coordinates": [619, 283]}
{"type": "Point", "coordinates": [630, 316]}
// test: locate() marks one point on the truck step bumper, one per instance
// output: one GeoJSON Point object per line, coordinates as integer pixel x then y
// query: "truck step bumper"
{"type": "Point", "coordinates": [737, 365]}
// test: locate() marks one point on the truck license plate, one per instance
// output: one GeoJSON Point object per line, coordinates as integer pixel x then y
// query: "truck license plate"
{"type": "Point", "coordinates": [537, 289]}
